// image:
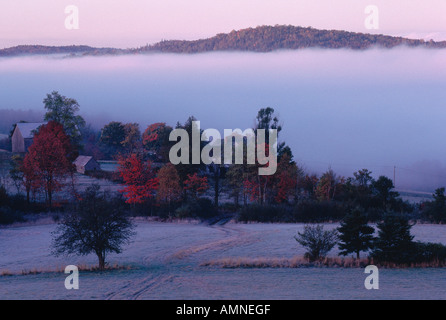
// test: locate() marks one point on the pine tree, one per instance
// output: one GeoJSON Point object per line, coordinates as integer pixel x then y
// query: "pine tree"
{"type": "Point", "coordinates": [394, 242]}
{"type": "Point", "coordinates": [354, 234]}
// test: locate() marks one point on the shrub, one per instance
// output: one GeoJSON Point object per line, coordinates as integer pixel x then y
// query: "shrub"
{"type": "Point", "coordinates": [310, 211]}
{"type": "Point", "coordinates": [266, 213]}
{"type": "Point", "coordinates": [9, 216]}
{"type": "Point", "coordinates": [429, 252]}
{"type": "Point", "coordinates": [317, 241]}
{"type": "Point", "coordinates": [201, 208]}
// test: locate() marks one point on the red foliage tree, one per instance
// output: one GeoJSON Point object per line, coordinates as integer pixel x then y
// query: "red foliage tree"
{"type": "Point", "coordinates": [285, 179]}
{"type": "Point", "coordinates": [31, 181]}
{"type": "Point", "coordinates": [49, 160]}
{"type": "Point", "coordinates": [139, 179]}
{"type": "Point", "coordinates": [156, 139]}
{"type": "Point", "coordinates": [196, 185]}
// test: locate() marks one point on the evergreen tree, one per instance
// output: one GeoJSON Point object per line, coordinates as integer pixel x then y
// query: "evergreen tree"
{"type": "Point", "coordinates": [394, 242]}
{"type": "Point", "coordinates": [354, 234]}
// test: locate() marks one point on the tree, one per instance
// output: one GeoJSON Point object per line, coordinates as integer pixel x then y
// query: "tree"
{"type": "Point", "coordinates": [132, 138]}
{"type": "Point", "coordinates": [63, 110]}
{"type": "Point", "coordinates": [15, 171]}
{"type": "Point", "coordinates": [111, 138]}
{"type": "Point", "coordinates": [308, 184]}
{"type": "Point", "coordinates": [328, 186]}
{"type": "Point", "coordinates": [436, 210]}
{"type": "Point", "coordinates": [90, 142]}
{"type": "Point", "coordinates": [354, 234]}
{"type": "Point", "coordinates": [196, 185]}
{"type": "Point", "coordinates": [317, 241]}
{"type": "Point", "coordinates": [285, 178]}
{"type": "Point", "coordinates": [49, 160]}
{"type": "Point", "coordinates": [156, 140]}
{"type": "Point", "coordinates": [139, 178]}
{"type": "Point", "coordinates": [184, 170]}
{"type": "Point", "coordinates": [169, 189]}
{"type": "Point", "coordinates": [97, 224]}
{"type": "Point", "coordinates": [394, 242]}
{"type": "Point", "coordinates": [235, 182]}
{"type": "Point", "coordinates": [266, 119]}
{"type": "Point", "coordinates": [382, 190]}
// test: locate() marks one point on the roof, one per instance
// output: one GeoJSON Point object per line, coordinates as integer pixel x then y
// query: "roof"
{"type": "Point", "coordinates": [82, 160]}
{"type": "Point", "coordinates": [27, 128]}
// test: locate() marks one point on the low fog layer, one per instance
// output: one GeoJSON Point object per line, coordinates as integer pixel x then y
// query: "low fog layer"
{"type": "Point", "coordinates": [349, 110]}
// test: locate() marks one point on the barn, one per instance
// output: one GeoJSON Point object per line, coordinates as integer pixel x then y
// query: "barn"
{"type": "Point", "coordinates": [23, 134]}
{"type": "Point", "coordinates": [86, 164]}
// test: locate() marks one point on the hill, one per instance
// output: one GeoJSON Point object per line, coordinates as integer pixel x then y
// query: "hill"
{"type": "Point", "coordinates": [46, 50]}
{"type": "Point", "coordinates": [267, 38]}
{"type": "Point", "coordinates": [259, 39]}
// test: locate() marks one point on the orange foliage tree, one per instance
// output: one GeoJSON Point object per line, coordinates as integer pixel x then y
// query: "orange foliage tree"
{"type": "Point", "coordinates": [169, 189]}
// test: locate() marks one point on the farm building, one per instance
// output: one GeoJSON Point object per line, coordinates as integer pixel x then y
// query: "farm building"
{"type": "Point", "coordinates": [23, 135]}
{"type": "Point", "coordinates": [86, 163]}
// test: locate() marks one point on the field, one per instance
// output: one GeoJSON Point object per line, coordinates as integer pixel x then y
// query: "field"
{"type": "Point", "coordinates": [167, 261]}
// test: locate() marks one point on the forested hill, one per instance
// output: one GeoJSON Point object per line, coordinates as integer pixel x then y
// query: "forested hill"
{"type": "Point", "coordinates": [267, 38]}
{"type": "Point", "coordinates": [66, 50]}
{"type": "Point", "coordinates": [260, 39]}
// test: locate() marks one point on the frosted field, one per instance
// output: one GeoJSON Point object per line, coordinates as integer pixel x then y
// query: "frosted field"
{"type": "Point", "coordinates": [165, 262]}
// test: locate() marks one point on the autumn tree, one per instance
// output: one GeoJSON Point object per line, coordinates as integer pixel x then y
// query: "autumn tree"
{"type": "Point", "coordinates": [64, 111]}
{"type": "Point", "coordinates": [285, 179]}
{"type": "Point", "coordinates": [308, 185]}
{"type": "Point", "coordinates": [196, 185]}
{"type": "Point", "coordinates": [328, 186]}
{"type": "Point", "coordinates": [139, 178]}
{"type": "Point", "coordinates": [184, 170]}
{"type": "Point", "coordinates": [96, 224]}
{"type": "Point", "coordinates": [259, 187]}
{"type": "Point", "coordinates": [132, 137]}
{"type": "Point", "coordinates": [235, 182]}
{"type": "Point", "coordinates": [49, 160]}
{"type": "Point", "coordinates": [155, 139]}
{"type": "Point", "coordinates": [169, 189]}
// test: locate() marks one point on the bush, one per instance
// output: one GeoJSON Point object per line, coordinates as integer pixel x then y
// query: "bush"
{"type": "Point", "coordinates": [4, 199]}
{"type": "Point", "coordinates": [317, 241]}
{"type": "Point", "coordinates": [429, 252]}
{"type": "Point", "coordinates": [202, 208]}
{"type": "Point", "coordinates": [265, 213]}
{"type": "Point", "coordinates": [9, 216]}
{"type": "Point", "coordinates": [310, 211]}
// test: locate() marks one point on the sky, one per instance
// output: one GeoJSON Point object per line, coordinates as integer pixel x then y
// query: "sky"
{"type": "Point", "coordinates": [342, 109]}
{"type": "Point", "coordinates": [125, 24]}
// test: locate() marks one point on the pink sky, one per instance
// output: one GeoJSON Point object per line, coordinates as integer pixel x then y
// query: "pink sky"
{"type": "Point", "coordinates": [120, 23]}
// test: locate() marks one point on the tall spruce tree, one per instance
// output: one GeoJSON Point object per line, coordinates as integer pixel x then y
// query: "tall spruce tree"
{"type": "Point", "coordinates": [354, 234]}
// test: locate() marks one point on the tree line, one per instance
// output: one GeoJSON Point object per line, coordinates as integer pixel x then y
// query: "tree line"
{"type": "Point", "coordinates": [151, 185]}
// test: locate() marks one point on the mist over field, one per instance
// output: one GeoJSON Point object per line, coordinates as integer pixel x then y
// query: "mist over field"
{"type": "Point", "coordinates": [372, 109]}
